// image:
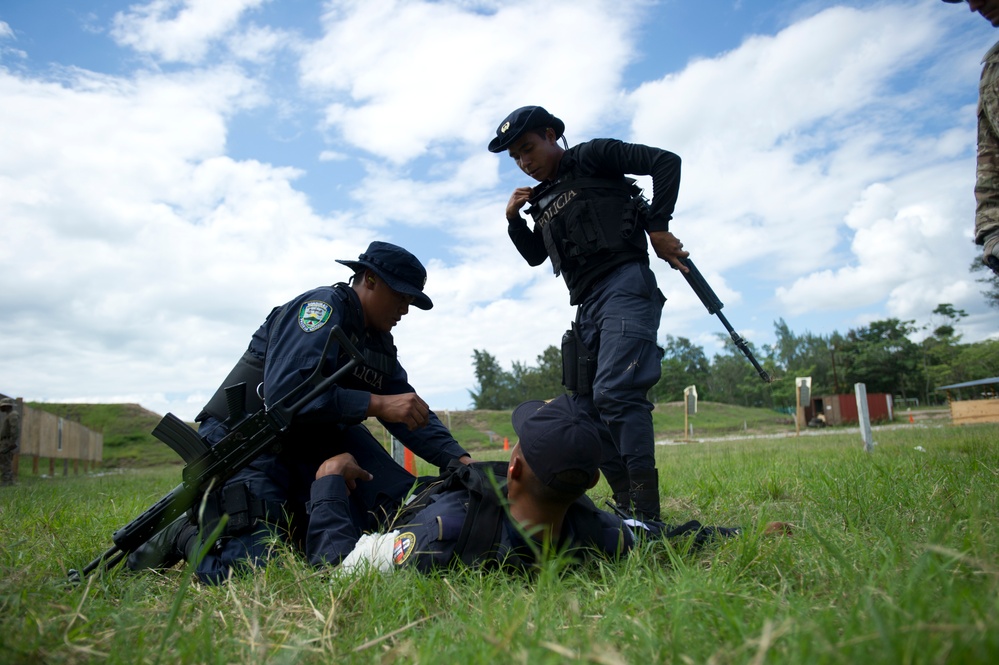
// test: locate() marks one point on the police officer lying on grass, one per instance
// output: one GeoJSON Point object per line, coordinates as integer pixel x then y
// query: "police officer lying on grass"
{"type": "Point", "coordinates": [269, 496]}
{"type": "Point", "coordinates": [542, 507]}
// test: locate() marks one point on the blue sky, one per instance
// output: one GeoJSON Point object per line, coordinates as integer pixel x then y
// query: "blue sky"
{"type": "Point", "coordinates": [170, 170]}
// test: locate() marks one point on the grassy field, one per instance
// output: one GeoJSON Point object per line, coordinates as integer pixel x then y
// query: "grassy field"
{"type": "Point", "coordinates": [894, 559]}
{"type": "Point", "coordinates": [128, 441]}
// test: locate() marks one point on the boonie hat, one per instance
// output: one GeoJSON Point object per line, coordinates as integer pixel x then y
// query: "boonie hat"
{"type": "Point", "coordinates": [560, 442]}
{"type": "Point", "coordinates": [402, 271]}
{"type": "Point", "coordinates": [6, 401]}
{"type": "Point", "coordinates": [523, 119]}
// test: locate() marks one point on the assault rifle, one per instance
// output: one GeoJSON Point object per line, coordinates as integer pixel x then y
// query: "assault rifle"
{"type": "Point", "coordinates": [714, 306]}
{"type": "Point", "coordinates": [701, 288]}
{"type": "Point", "coordinates": [210, 466]}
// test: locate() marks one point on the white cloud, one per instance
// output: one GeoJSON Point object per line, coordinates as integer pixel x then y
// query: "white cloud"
{"type": "Point", "coordinates": [150, 221]}
{"type": "Point", "coordinates": [404, 76]}
{"type": "Point", "coordinates": [807, 160]}
{"type": "Point", "coordinates": [257, 44]}
{"type": "Point", "coordinates": [136, 253]}
{"type": "Point", "coordinates": [179, 30]}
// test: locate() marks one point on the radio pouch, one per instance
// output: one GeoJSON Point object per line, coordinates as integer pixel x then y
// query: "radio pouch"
{"type": "Point", "coordinates": [579, 364]}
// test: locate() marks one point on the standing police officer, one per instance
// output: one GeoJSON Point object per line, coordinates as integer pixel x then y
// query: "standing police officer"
{"type": "Point", "coordinates": [270, 494]}
{"type": "Point", "coordinates": [589, 223]}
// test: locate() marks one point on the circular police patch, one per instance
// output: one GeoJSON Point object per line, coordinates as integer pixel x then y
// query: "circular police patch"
{"type": "Point", "coordinates": [404, 544]}
{"type": "Point", "coordinates": [313, 315]}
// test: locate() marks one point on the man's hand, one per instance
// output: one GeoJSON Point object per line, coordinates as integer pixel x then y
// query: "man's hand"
{"type": "Point", "coordinates": [466, 459]}
{"type": "Point", "coordinates": [517, 201]}
{"type": "Point", "coordinates": [407, 408]}
{"type": "Point", "coordinates": [669, 248]}
{"type": "Point", "coordinates": [344, 465]}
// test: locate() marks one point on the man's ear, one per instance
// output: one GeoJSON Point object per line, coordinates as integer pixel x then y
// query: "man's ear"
{"type": "Point", "coordinates": [596, 479]}
{"type": "Point", "coordinates": [516, 469]}
{"type": "Point", "coordinates": [369, 279]}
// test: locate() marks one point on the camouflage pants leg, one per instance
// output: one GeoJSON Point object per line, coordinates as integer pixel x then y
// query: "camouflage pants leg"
{"type": "Point", "coordinates": [987, 181]}
{"type": "Point", "coordinates": [7, 468]}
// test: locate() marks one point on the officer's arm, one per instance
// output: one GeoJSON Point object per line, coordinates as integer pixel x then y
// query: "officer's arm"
{"type": "Point", "coordinates": [332, 534]}
{"type": "Point", "coordinates": [432, 441]}
{"type": "Point", "coordinates": [528, 242]}
{"type": "Point", "coordinates": [610, 156]}
{"type": "Point", "coordinates": [669, 248]}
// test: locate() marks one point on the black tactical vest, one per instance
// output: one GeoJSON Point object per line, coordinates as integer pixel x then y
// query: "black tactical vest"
{"type": "Point", "coordinates": [589, 227]}
{"type": "Point", "coordinates": [371, 376]}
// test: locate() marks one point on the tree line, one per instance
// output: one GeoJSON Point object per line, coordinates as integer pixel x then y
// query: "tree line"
{"type": "Point", "coordinates": [880, 355]}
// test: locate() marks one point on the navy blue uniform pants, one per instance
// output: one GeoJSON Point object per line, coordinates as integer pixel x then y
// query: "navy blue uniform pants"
{"type": "Point", "coordinates": [285, 480]}
{"type": "Point", "coordinates": [619, 320]}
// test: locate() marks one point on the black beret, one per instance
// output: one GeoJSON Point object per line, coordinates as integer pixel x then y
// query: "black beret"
{"type": "Point", "coordinates": [524, 119]}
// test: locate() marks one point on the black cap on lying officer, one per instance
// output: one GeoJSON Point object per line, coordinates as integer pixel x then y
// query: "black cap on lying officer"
{"type": "Point", "coordinates": [555, 462]}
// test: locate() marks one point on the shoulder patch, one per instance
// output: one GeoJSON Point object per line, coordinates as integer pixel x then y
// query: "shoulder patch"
{"type": "Point", "coordinates": [404, 545]}
{"type": "Point", "coordinates": [313, 315]}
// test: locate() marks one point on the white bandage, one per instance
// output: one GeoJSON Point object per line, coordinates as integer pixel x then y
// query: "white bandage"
{"type": "Point", "coordinates": [372, 552]}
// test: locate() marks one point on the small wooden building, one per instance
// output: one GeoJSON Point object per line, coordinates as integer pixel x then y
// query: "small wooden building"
{"type": "Point", "coordinates": [842, 409]}
{"type": "Point", "coordinates": [973, 401]}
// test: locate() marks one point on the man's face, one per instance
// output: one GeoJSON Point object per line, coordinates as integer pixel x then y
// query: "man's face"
{"type": "Point", "coordinates": [987, 8]}
{"type": "Point", "coordinates": [537, 156]}
{"type": "Point", "coordinates": [385, 306]}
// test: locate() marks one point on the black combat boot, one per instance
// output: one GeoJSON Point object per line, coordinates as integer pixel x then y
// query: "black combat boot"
{"type": "Point", "coordinates": [621, 492]}
{"type": "Point", "coordinates": [166, 548]}
{"type": "Point", "coordinates": [622, 501]}
{"type": "Point", "coordinates": [644, 494]}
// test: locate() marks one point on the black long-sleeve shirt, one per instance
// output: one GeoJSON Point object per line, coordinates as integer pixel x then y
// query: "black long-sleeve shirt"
{"type": "Point", "coordinates": [609, 159]}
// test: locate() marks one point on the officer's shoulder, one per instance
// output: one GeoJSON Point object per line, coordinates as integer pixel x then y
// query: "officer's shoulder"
{"type": "Point", "coordinates": [330, 294]}
{"type": "Point", "coordinates": [596, 143]}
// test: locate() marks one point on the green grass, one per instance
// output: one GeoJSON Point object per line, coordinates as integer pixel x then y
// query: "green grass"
{"type": "Point", "coordinates": [894, 559]}
{"type": "Point", "coordinates": [484, 431]}
{"type": "Point", "coordinates": [128, 441]}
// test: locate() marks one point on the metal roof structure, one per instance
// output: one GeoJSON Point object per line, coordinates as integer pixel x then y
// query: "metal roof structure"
{"type": "Point", "coordinates": [968, 384]}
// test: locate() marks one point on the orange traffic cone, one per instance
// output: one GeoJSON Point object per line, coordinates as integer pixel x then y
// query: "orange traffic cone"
{"type": "Point", "coordinates": [506, 443]}
{"type": "Point", "coordinates": [409, 462]}
{"type": "Point", "coordinates": [910, 419]}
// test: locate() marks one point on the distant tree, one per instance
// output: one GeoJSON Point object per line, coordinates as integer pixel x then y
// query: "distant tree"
{"type": "Point", "coordinates": [541, 382]}
{"type": "Point", "coordinates": [684, 364]}
{"type": "Point", "coordinates": [882, 357]}
{"type": "Point", "coordinates": [499, 389]}
{"type": "Point", "coordinates": [975, 361]}
{"type": "Point", "coordinates": [804, 355]}
{"type": "Point", "coordinates": [495, 387]}
{"type": "Point", "coordinates": [940, 350]}
{"type": "Point", "coordinates": [788, 350]}
{"type": "Point", "coordinates": [989, 279]}
{"type": "Point", "coordinates": [734, 380]}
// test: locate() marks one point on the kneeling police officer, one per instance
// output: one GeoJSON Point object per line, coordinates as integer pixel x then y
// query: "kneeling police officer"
{"type": "Point", "coordinates": [269, 495]}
